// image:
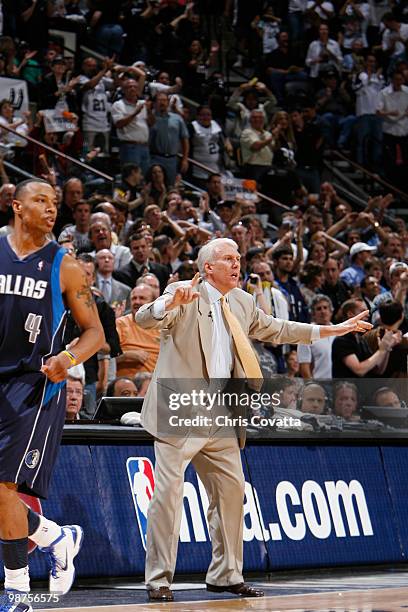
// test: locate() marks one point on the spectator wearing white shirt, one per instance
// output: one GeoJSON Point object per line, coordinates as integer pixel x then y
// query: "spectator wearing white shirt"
{"type": "Point", "coordinates": [267, 28]}
{"type": "Point", "coordinates": [357, 14]}
{"type": "Point", "coordinates": [256, 147]}
{"type": "Point", "coordinates": [318, 11]}
{"type": "Point", "coordinates": [367, 86]}
{"type": "Point", "coordinates": [163, 84]}
{"type": "Point", "coordinates": [323, 53]}
{"type": "Point", "coordinates": [394, 35]}
{"type": "Point", "coordinates": [393, 108]}
{"type": "Point", "coordinates": [95, 102]}
{"type": "Point", "coordinates": [315, 360]}
{"type": "Point", "coordinates": [129, 116]}
{"type": "Point", "coordinates": [100, 235]}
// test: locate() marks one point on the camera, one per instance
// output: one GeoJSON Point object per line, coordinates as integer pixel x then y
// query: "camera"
{"type": "Point", "coordinates": [253, 279]}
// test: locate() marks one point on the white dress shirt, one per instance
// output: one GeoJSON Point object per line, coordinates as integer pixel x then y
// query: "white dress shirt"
{"type": "Point", "coordinates": [135, 131]}
{"type": "Point", "coordinates": [367, 88]}
{"type": "Point", "coordinates": [222, 355]}
{"type": "Point", "coordinates": [320, 355]}
{"type": "Point", "coordinates": [315, 50]}
{"type": "Point", "coordinates": [390, 37]}
{"type": "Point", "coordinates": [390, 100]}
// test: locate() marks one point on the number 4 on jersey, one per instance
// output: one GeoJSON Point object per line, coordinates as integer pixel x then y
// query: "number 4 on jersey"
{"type": "Point", "coordinates": [32, 325]}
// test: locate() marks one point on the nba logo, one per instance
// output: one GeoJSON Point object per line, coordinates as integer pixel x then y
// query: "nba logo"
{"type": "Point", "coordinates": [141, 480]}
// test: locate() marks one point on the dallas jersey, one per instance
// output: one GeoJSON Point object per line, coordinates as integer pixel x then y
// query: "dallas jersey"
{"type": "Point", "coordinates": [32, 407]}
{"type": "Point", "coordinates": [32, 309]}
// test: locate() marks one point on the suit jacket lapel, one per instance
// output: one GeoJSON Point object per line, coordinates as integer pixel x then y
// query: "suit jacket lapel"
{"type": "Point", "coordinates": [205, 325]}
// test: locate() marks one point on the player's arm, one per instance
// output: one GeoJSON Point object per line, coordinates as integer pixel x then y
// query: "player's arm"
{"type": "Point", "coordinates": [80, 301]}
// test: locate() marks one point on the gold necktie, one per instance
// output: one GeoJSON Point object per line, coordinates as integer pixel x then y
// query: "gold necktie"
{"type": "Point", "coordinates": [242, 344]}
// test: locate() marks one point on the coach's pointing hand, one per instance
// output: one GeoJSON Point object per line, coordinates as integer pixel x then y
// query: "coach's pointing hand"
{"type": "Point", "coordinates": [184, 294]}
{"type": "Point", "coordinates": [355, 324]}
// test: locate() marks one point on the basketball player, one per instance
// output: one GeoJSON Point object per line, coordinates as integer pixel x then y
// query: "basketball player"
{"type": "Point", "coordinates": [38, 281]}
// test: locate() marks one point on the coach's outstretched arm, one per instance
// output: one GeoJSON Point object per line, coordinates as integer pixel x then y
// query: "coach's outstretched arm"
{"type": "Point", "coordinates": [80, 301]}
{"type": "Point", "coordinates": [354, 324]}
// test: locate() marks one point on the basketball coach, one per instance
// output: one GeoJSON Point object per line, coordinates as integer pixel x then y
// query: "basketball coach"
{"type": "Point", "coordinates": [205, 327]}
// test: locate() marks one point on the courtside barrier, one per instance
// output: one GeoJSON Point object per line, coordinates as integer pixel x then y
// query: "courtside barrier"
{"type": "Point", "coordinates": [305, 506]}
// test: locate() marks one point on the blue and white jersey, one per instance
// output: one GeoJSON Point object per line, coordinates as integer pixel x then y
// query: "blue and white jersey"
{"type": "Point", "coordinates": [32, 311]}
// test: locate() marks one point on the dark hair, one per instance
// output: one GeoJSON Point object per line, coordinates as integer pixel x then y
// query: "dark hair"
{"type": "Point", "coordinates": [110, 390]}
{"type": "Point", "coordinates": [333, 259]}
{"type": "Point", "coordinates": [80, 202]}
{"type": "Point", "coordinates": [202, 107]}
{"type": "Point", "coordinates": [186, 270]}
{"type": "Point", "coordinates": [349, 306]}
{"type": "Point", "coordinates": [21, 187]}
{"type": "Point", "coordinates": [388, 17]}
{"type": "Point", "coordinates": [86, 258]}
{"type": "Point", "coordinates": [363, 283]}
{"type": "Point", "coordinates": [396, 72]}
{"type": "Point", "coordinates": [4, 102]}
{"type": "Point", "coordinates": [68, 181]}
{"type": "Point", "coordinates": [149, 173]}
{"type": "Point", "coordinates": [213, 174]}
{"type": "Point", "coordinates": [246, 220]}
{"type": "Point", "coordinates": [373, 261]}
{"type": "Point", "coordinates": [249, 92]}
{"type": "Point", "coordinates": [135, 237]}
{"type": "Point", "coordinates": [390, 311]}
{"type": "Point", "coordinates": [310, 271]}
{"type": "Point", "coordinates": [279, 252]}
{"type": "Point", "coordinates": [161, 241]}
{"type": "Point", "coordinates": [127, 170]}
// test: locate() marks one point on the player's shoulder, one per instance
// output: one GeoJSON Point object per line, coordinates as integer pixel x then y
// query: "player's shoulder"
{"type": "Point", "coordinates": [71, 270]}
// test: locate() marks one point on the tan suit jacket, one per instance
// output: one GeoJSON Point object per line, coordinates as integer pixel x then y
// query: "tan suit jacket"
{"type": "Point", "coordinates": [185, 342]}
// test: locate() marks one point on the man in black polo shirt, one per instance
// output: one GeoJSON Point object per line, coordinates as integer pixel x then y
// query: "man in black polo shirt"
{"type": "Point", "coordinates": [351, 355]}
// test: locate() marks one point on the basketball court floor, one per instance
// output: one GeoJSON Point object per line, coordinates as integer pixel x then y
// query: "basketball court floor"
{"type": "Point", "coordinates": [352, 590]}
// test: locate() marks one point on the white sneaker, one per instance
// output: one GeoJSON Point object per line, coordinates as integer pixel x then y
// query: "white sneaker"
{"type": "Point", "coordinates": [62, 553]}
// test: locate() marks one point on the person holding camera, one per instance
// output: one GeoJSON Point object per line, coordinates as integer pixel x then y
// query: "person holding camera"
{"type": "Point", "coordinates": [270, 299]}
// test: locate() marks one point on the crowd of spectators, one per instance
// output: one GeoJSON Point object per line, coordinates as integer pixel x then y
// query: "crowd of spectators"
{"type": "Point", "coordinates": [149, 103]}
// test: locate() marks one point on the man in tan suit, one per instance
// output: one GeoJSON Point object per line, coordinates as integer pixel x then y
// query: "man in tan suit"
{"type": "Point", "coordinates": [204, 329]}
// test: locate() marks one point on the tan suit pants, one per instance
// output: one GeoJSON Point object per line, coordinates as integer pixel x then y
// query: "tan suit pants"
{"type": "Point", "coordinates": [218, 464]}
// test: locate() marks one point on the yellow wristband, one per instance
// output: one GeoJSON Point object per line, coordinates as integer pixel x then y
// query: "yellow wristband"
{"type": "Point", "coordinates": [71, 357]}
